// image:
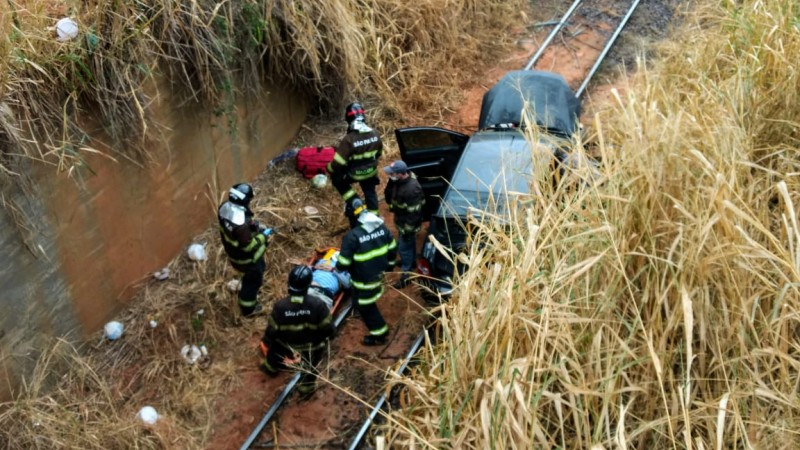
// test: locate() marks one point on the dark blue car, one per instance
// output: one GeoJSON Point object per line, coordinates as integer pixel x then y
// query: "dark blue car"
{"type": "Point", "coordinates": [466, 176]}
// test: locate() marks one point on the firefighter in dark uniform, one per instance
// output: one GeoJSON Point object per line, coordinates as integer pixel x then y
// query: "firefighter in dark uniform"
{"type": "Point", "coordinates": [356, 160]}
{"type": "Point", "coordinates": [367, 251]}
{"type": "Point", "coordinates": [298, 327]}
{"type": "Point", "coordinates": [405, 198]}
{"type": "Point", "coordinates": [245, 241]}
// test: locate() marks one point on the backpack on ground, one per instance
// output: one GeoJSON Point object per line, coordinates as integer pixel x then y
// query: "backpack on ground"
{"type": "Point", "coordinates": [314, 160]}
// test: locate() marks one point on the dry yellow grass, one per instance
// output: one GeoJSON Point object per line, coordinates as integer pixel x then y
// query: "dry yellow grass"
{"type": "Point", "coordinates": [659, 308]}
{"type": "Point", "coordinates": [390, 51]}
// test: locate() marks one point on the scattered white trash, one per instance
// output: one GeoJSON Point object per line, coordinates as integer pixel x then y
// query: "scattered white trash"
{"type": "Point", "coordinates": [197, 252]}
{"type": "Point", "coordinates": [113, 330]}
{"type": "Point", "coordinates": [234, 285]}
{"type": "Point", "coordinates": [191, 353]}
{"type": "Point", "coordinates": [148, 415]}
{"type": "Point", "coordinates": [162, 274]}
{"type": "Point", "coordinates": [319, 180]}
{"type": "Point", "coordinates": [153, 323]}
{"type": "Point", "coordinates": [310, 210]}
{"type": "Point", "coordinates": [66, 29]}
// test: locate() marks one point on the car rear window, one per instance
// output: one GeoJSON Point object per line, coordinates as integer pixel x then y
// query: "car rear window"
{"type": "Point", "coordinates": [499, 164]}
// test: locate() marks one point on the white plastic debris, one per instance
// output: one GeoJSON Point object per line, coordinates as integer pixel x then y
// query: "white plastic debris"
{"type": "Point", "coordinates": [191, 353]}
{"type": "Point", "coordinates": [153, 324]}
{"type": "Point", "coordinates": [319, 181]}
{"type": "Point", "coordinates": [200, 312]}
{"type": "Point", "coordinates": [66, 29]}
{"type": "Point", "coordinates": [197, 252]}
{"type": "Point", "coordinates": [162, 274]}
{"type": "Point", "coordinates": [113, 330]}
{"type": "Point", "coordinates": [203, 350]}
{"type": "Point", "coordinates": [310, 210]}
{"type": "Point", "coordinates": [234, 285]}
{"type": "Point", "coordinates": [148, 415]}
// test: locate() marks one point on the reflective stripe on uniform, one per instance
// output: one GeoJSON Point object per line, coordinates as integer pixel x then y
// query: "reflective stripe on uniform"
{"type": "Point", "coordinates": [366, 286]}
{"type": "Point", "coordinates": [407, 207]}
{"type": "Point", "coordinates": [370, 300]}
{"type": "Point", "coordinates": [348, 195]}
{"type": "Point", "coordinates": [247, 303]}
{"type": "Point", "coordinates": [364, 176]}
{"type": "Point", "coordinates": [366, 155]}
{"type": "Point", "coordinates": [233, 242]}
{"type": "Point", "coordinates": [343, 261]}
{"type": "Point", "coordinates": [259, 239]}
{"type": "Point", "coordinates": [404, 229]}
{"type": "Point", "coordinates": [380, 331]}
{"type": "Point", "coordinates": [252, 260]}
{"type": "Point", "coordinates": [305, 326]}
{"type": "Point", "coordinates": [375, 253]}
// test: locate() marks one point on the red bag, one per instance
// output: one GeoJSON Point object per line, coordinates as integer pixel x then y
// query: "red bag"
{"type": "Point", "coordinates": [314, 160]}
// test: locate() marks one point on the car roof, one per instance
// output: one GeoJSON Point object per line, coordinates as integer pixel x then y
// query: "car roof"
{"type": "Point", "coordinates": [494, 165]}
{"type": "Point", "coordinates": [554, 105]}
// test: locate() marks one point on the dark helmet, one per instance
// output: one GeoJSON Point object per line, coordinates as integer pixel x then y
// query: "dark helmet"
{"type": "Point", "coordinates": [300, 279]}
{"type": "Point", "coordinates": [241, 194]}
{"type": "Point", "coordinates": [354, 111]}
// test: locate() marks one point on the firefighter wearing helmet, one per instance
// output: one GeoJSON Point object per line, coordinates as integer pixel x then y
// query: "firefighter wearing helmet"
{"type": "Point", "coordinates": [298, 329]}
{"type": "Point", "coordinates": [245, 242]}
{"type": "Point", "coordinates": [356, 159]}
{"type": "Point", "coordinates": [368, 250]}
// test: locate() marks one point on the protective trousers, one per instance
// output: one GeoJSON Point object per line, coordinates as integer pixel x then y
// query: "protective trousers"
{"type": "Point", "coordinates": [366, 302]}
{"type": "Point", "coordinates": [252, 279]}
{"type": "Point", "coordinates": [344, 185]}
{"type": "Point", "coordinates": [309, 360]}
{"type": "Point", "coordinates": [407, 248]}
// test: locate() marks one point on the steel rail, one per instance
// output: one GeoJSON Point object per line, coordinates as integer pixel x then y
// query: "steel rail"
{"type": "Point", "coordinates": [608, 46]}
{"type": "Point", "coordinates": [287, 390]}
{"type": "Point", "coordinates": [362, 432]}
{"type": "Point", "coordinates": [552, 34]}
{"type": "Point", "coordinates": [603, 53]}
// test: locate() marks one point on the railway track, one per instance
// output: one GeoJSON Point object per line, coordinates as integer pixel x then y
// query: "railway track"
{"type": "Point", "coordinates": [563, 41]}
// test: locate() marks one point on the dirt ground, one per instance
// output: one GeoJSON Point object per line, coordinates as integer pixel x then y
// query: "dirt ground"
{"type": "Point", "coordinates": [352, 374]}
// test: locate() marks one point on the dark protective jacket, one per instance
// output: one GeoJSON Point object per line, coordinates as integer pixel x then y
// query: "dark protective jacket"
{"type": "Point", "coordinates": [240, 235]}
{"type": "Point", "coordinates": [406, 199]}
{"type": "Point", "coordinates": [367, 251]}
{"type": "Point", "coordinates": [357, 154]}
{"type": "Point", "coordinates": [299, 322]}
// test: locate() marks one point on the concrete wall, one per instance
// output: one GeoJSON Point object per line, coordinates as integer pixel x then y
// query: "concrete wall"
{"type": "Point", "coordinates": [72, 252]}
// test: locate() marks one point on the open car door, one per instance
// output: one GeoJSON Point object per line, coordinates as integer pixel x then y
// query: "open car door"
{"type": "Point", "coordinates": [432, 154]}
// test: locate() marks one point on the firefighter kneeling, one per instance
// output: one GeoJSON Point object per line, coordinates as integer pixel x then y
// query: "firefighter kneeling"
{"type": "Point", "coordinates": [297, 331]}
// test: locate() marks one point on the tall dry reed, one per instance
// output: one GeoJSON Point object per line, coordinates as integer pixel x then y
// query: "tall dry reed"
{"type": "Point", "coordinates": [659, 307]}
{"type": "Point", "coordinates": [58, 98]}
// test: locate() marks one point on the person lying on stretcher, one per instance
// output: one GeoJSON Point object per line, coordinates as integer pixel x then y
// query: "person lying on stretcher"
{"type": "Point", "coordinates": [327, 282]}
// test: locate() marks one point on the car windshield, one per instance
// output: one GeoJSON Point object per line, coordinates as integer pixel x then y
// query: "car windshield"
{"type": "Point", "coordinates": [494, 166]}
